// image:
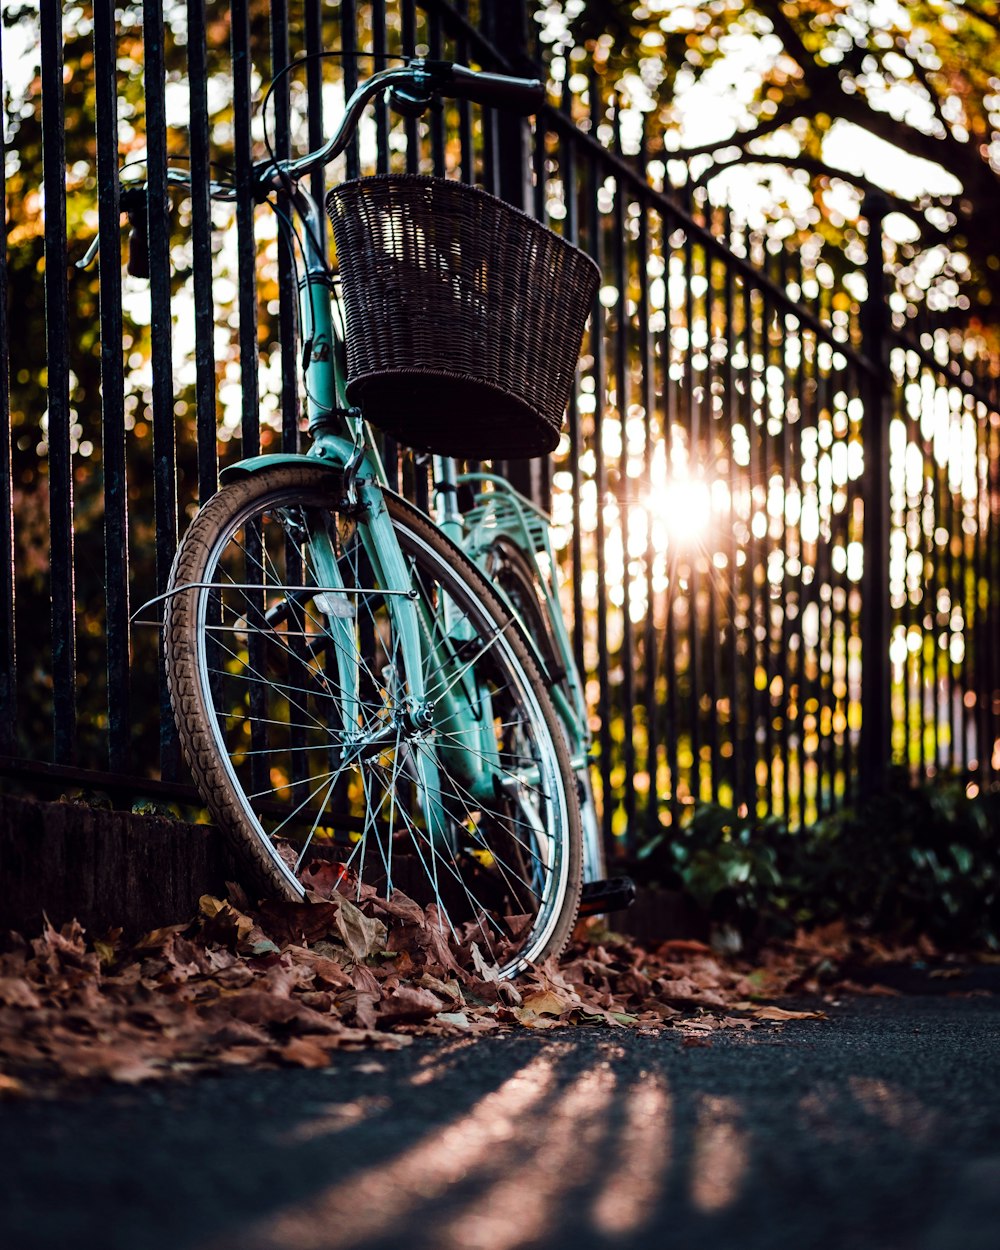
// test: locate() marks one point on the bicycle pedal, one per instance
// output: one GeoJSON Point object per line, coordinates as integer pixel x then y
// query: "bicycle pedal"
{"type": "Point", "coordinates": [611, 894]}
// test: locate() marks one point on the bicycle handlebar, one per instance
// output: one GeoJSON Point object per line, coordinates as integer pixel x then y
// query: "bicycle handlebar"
{"type": "Point", "coordinates": [518, 95]}
{"type": "Point", "coordinates": [413, 87]}
{"type": "Point", "coordinates": [416, 85]}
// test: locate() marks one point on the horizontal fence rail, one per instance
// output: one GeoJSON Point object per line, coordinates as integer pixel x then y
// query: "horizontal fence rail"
{"type": "Point", "coordinates": [776, 502]}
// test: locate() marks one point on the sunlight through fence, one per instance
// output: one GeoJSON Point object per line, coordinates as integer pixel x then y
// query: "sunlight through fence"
{"type": "Point", "coordinates": [776, 502]}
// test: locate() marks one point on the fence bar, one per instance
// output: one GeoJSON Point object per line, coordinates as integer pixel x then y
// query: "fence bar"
{"type": "Point", "coordinates": [408, 15]}
{"type": "Point", "coordinates": [436, 48]}
{"type": "Point", "coordinates": [201, 253]}
{"type": "Point", "coordinates": [112, 393]}
{"type": "Point", "coordinates": [245, 247]}
{"type": "Point", "coordinates": [8, 652]}
{"type": "Point", "coordinates": [315, 129]}
{"type": "Point", "coordinates": [571, 193]}
{"type": "Point", "coordinates": [164, 438]}
{"type": "Point", "coordinates": [876, 727]}
{"type": "Point", "coordinates": [57, 345]}
{"type": "Point", "coordinates": [380, 47]}
{"type": "Point", "coordinates": [287, 292]}
{"type": "Point", "coordinates": [349, 43]}
{"type": "Point", "coordinates": [464, 109]}
{"type": "Point", "coordinates": [647, 365]}
{"type": "Point", "coordinates": [730, 415]}
{"type": "Point", "coordinates": [594, 242]}
{"type": "Point", "coordinates": [713, 443]}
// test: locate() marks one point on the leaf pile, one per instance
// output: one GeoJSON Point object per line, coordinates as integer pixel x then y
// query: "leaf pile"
{"type": "Point", "coordinates": [290, 983]}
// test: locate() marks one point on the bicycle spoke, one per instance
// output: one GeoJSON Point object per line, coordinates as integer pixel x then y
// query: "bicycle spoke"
{"type": "Point", "coordinates": [315, 707]}
{"type": "Point", "coordinates": [505, 820]}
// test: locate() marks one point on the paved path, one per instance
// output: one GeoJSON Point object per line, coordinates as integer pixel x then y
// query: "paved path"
{"type": "Point", "coordinates": [878, 1129]}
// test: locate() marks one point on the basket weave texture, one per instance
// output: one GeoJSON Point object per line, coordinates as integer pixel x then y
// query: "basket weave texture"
{"type": "Point", "coordinates": [464, 316]}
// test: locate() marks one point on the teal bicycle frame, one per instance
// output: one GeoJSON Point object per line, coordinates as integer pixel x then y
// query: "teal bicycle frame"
{"type": "Point", "coordinates": [342, 441]}
{"type": "Point", "coordinates": [499, 511]}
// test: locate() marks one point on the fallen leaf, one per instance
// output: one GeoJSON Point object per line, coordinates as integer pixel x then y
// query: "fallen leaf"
{"type": "Point", "coordinates": [17, 992]}
{"type": "Point", "coordinates": [531, 1020]}
{"type": "Point", "coordinates": [509, 994]}
{"type": "Point", "coordinates": [488, 971]}
{"type": "Point", "coordinates": [779, 1013]}
{"type": "Point", "coordinates": [305, 1052]}
{"type": "Point", "coordinates": [544, 1003]}
{"type": "Point", "coordinates": [156, 939]}
{"type": "Point", "coordinates": [407, 1004]}
{"type": "Point", "coordinates": [11, 1087]}
{"type": "Point", "coordinates": [401, 907]}
{"type": "Point", "coordinates": [362, 935]}
{"type": "Point", "coordinates": [298, 923]}
{"type": "Point", "coordinates": [458, 1018]}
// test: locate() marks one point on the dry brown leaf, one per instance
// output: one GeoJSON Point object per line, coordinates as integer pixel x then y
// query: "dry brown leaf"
{"type": "Point", "coordinates": [305, 1052]}
{"type": "Point", "coordinates": [11, 1087]}
{"type": "Point", "coordinates": [156, 939]}
{"type": "Point", "coordinates": [363, 935]}
{"type": "Point", "coordinates": [544, 1002]}
{"type": "Point", "coordinates": [401, 907]}
{"type": "Point", "coordinates": [531, 1020]}
{"type": "Point", "coordinates": [407, 1004]}
{"type": "Point", "coordinates": [17, 992]}
{"type": "Point", "coordinates": [298, 923]}
{"type": "Point", "coordinates": [876, 990]}
{"type": "Point", "coordinates": [779, 1013]}
{"type": "Point", "coordinates": [289, 983]}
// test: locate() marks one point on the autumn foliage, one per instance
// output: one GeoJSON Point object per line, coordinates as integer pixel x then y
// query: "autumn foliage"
{"type": "Point", "coordinates": [287, 984]}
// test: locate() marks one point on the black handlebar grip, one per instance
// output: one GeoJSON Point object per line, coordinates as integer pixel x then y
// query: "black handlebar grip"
{"type": "Point", "coordinates": [138, 242]}
{"type": "Point", "coordinates": [518, 95]}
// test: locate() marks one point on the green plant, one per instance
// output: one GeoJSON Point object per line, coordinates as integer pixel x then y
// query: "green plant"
{"type": "Point", "coordinates": [913, 860]}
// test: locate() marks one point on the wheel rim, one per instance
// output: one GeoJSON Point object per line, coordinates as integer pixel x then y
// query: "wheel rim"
{"type": "Point", "coordinates": [332, 760]}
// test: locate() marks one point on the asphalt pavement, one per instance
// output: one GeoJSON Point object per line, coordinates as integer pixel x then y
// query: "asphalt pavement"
{"type": "Point", "coordinates": [875, 1129]}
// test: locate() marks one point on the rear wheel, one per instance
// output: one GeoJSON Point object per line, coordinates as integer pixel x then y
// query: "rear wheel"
{"type": "Point", "coordinates": [509, 568]}
{"type": "Point", "coordinates": [318, 740]}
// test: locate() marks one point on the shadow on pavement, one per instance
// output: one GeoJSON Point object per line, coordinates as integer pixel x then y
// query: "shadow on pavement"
{"type": "Point", "coordinates": [875, 1130]}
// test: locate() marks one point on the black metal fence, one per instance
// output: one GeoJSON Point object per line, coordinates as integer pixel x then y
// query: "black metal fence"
{"type": "Point", "coordinates": [777, 502]}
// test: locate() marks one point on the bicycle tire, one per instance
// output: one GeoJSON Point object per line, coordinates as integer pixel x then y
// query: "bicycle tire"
{"type": "Point", "coordinates": [261, 744]}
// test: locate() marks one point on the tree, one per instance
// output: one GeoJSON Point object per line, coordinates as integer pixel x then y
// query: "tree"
{"type": "Point", "coordinates": [918, 74]}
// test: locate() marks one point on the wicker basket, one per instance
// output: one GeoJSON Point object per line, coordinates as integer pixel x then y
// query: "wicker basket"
{"type": "Point", "coordinates": [464, 316]}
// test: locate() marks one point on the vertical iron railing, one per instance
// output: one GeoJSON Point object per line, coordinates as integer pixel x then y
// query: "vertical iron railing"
{"type": "Point", "coordinates": [776, 504]}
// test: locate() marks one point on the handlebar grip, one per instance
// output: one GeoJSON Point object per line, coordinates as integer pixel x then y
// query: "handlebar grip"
{"type": "Point", "coordinates": [138, 242]}
{"type": "Point", "coordinates": [518, 95]}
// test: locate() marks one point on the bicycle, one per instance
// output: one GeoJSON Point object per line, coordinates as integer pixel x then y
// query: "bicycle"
{"type": "Point", "coordinates": [359, 706]}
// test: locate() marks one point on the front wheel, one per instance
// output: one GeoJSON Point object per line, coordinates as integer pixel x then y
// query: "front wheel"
{"type": "Point", "coordinates": [390, 736]}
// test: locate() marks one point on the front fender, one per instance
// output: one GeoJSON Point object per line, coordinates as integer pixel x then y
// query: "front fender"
{"type": "Point", "coordinates": [260, 464]}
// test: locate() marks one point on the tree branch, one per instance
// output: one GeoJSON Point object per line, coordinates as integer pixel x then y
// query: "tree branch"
{"type": "Point", "coordinates": [819, 169]}
{"type": "Point", "coordinates": [740, 138]}
{"type": "Point", "coordinates": [924, 79]}
{"type": "Point", "coordinates": [828, 96]}
{"type": "Point", "coordinates": [992, 20]}
{"type": "Point", "coordinates": [790, 38]}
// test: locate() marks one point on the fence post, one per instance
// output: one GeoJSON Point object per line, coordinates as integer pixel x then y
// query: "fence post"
{"type": "Point", "coordinates": [876, 692]}
{"type": "Point", "coordinates": [508, 27]}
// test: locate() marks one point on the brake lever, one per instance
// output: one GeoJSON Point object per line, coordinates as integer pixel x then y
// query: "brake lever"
{"type": "Point", "coordinates": [90, 255]}
{"type": "Point", "coordinates": [413, 99]}
{"type": "Point", "coordinates": [132, 200]}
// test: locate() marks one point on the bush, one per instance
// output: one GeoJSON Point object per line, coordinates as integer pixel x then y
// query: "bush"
{"type": "Point", "coordinates": [914, 860]}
